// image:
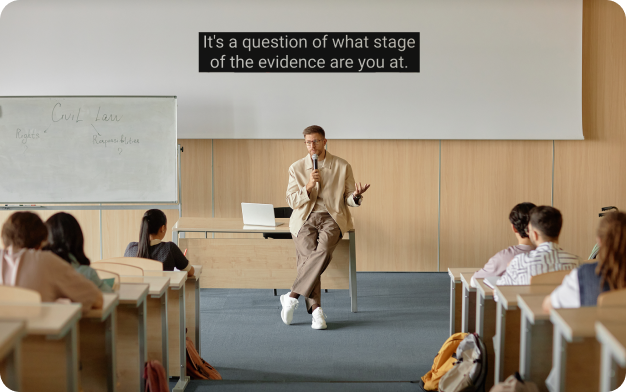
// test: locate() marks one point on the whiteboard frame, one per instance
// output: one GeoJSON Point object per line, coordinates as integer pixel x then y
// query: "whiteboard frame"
{"type": "Point", "coordinates": [130, 204]}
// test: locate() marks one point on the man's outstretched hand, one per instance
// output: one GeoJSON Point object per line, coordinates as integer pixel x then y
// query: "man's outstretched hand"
{"type": "Point", "coordinates": [360, 189]}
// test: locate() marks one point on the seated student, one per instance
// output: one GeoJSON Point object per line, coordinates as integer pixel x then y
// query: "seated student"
{"type": "Point", "coordinates": [22, 264]}
{"type": "Point", "coordinates": [151, 232]}
{"type": "Point", "coordinates": [543, 229]}
{"type": "Point", "coordinates": [583, 285]}
{"type": "Point", "coordinates": [65, 239]}
{"type": "Point", "coordinates": [519, 217]}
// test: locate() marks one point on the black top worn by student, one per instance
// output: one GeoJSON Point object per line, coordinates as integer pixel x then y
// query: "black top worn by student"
{"type": "Point", "coordinates": [166, 252]}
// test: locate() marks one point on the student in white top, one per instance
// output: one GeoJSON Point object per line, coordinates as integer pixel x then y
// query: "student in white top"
{"type": "Point", "coordinates": [583, 285]}
{"type": "Point", "coordinates": [544, 229]}
{"type": "Point", "coordinates": [519, 218]}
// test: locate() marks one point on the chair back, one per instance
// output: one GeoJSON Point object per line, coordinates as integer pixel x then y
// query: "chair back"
{"type": "Point", "coordinates": [19, 294]}
{"type": "Point", "coordinates": [612, 298]}
{"type": "Point", "coordinates": [145, 264]}
{"type": "Point", "coordinates": [120, 269]}
{"type": "Point", "coordinates": [555, 277]}
{"type": "Point", "coordinates": [102, 274]}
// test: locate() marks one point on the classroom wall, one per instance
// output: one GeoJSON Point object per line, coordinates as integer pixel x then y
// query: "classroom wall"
{"type": "Point", "coordinates": [432, 204]}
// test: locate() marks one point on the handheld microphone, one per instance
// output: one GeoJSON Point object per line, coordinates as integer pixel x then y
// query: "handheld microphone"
{"type": "Point", "coordinates": [314, 161]}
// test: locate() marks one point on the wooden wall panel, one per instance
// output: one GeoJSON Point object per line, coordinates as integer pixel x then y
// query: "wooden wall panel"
{"type": "Point", "coordinates": [591, 174]}
{"type": "Point", "coordinates": [480, 182]}
{"type": "Point", "coordinates": [396, 226]}
{"type": "Point", "coordinates": [196, 177]}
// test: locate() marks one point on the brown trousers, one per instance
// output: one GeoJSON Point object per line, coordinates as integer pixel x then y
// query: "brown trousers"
{"type": "Point", "coordinates": [315, 244]}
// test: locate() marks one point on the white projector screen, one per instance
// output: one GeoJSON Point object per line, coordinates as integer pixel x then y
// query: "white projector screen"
{"type": "Point", "coordinates": [88, 149]}
{"type": "Point", "coordinates": [489, 69]}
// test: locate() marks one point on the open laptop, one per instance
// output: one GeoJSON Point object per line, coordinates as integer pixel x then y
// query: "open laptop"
{"type": "Point", "coordinates": [258, 215]}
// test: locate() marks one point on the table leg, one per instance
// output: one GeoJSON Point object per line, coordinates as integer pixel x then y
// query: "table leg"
{"type": "Point", "coordinates": [198, 345]}
{"type": "Point", "coordinates": [465, 310]}
{"type": "Point", "coordinates": [499, 342]}
{"type": "Point", "coordinates": [353, 290]}
{"type": "Point", "coordinates": [607, 371]}
{"type": "Point", "coordinates": [72, 359]}
{"type": "Point", "coordinates": [109, 338]}
{"type": "Point", "coordinates": [559, 352]}
{"type": "Point", "coordinates": [183, 380]}
{"type": "Point", "coordinates": [165, 336]}
{"type": "Point", "coordinates": [143, 335]}
{"type": "Point", "coordinates": [10, 369]}
{"type": "Point", "coordinates": [452, 306]}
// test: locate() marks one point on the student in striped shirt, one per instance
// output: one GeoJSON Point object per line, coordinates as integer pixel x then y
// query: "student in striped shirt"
{"type": "Point", "coordinates": [543, 229]}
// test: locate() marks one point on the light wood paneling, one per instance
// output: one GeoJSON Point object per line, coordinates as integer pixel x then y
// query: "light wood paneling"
{"type": "Point", "coordinates": [589, 174]}
{"type": "Point", "coordinates": [396, 227]}
{"type": "Point", "coordinates": [480, 182]}
{"type": "Point", "coordinates": [196, 177]}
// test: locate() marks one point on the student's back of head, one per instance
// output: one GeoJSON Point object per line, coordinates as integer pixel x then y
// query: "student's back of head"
{"type": "Point", "coordinates": [65, 238]}
{"type": "Point", "coordinates": [520, 216]}
{"type": "Point", "coordinates": [547, 222]}
{"type": "Point", "coordinates": [612, 255]}
{"type": "Point", "coordinates": [151, 223]}
{"type": "Point", "coordinates": [24, 230]}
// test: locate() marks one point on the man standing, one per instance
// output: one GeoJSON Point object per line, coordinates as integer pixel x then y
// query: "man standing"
{"type": "Point", "coordinates": [319, 198]}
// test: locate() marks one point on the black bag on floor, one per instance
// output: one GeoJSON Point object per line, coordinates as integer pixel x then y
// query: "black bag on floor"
{"type": "Point", "coordinates": [470, 370]}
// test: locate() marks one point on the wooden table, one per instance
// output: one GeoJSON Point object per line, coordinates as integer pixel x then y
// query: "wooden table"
{"type": "Point", "coordinates": [575, 347]}
{"type": "Point", "coordinates": [468, 319]}
{"type": "Point", "coordinates": [156, 318]}
{"type": "Point", "coordinates": [612, 337]}
{"type": "Point", "coordinates": [11, 335]}
{"type": "Point", "coordinates": [508, 321]}
{"type": "Point", "coordinates": [131, 345]}
{"type": "Point", "coordinates": [97, 346]}
{"type": "Point", "coordinates": [456, 297]}
{"type": "Point", "coordinates": [50, 349]}
{"type": "Point", "coordinates": [535, 350]}
{"type": "Point", "coordinates": [176, 324]}
{"type": "Point", "coordinates": [486, 322]}
{"type": "Point", "coordinates": [274, 260]}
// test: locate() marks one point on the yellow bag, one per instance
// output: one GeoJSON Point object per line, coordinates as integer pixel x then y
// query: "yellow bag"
{"type": "Point", "coordinates": [443, 361]}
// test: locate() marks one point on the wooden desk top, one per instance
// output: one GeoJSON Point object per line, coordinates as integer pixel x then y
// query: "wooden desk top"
{"type": "Point", "coordinates": [507, 295]}
{"type": "Point", "coordinates": [110, 301]}
{"type": "Point", "coordinates": [581, 322]}
{"type": "Point", "coordinates": [466, 279]}
{"type": "Point", "coordinates": [177, 278]}
{"type": "Point", "coordinates": [157, 285]}
{"type": "Point", "coordinates": [614, 337]}
{"type": "Point", "coordinates": [45, 318]}
{"type": "Point", "coordinates": [10, 333]}
{"type": "Point", "coordinates": [133, 293]}
{"type": "Point", "coordinates": [532, 305]}
{"type": "Point", "coordinates": [455, 273]}
{"type": "Point", "coordinates": [483, 290]}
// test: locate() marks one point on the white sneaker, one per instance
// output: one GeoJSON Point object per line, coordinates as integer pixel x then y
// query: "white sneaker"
{"type": "Point", "coordinates": [319, 319]}
{"type": "Point", "coordinates": [289, 305]}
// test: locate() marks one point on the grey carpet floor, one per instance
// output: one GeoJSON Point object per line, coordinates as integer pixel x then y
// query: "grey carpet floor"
{"type": "Point", "coordinates": [401, 323]}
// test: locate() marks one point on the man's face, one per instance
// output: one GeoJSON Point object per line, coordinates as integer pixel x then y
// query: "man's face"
{"type": "Point", "coordinates": [314, 143]}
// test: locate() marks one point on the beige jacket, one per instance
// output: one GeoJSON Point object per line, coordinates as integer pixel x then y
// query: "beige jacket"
{"type": "Point", "coordinates": [337, 187]}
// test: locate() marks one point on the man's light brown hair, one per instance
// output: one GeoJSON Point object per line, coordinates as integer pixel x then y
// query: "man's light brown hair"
{"type": "Point", "coordinates": [24, 230]}
{"type": "Point", "coordinates": [314, 129]}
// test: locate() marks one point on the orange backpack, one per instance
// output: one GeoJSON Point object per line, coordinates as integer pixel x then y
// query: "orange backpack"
{"type": "Point", "coordinates": [198, 368]}
{"type": "Point", "coordinates": [443, 362]}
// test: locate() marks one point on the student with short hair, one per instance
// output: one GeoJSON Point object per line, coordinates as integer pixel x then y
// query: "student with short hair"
{"type": "Point", "coordinates": [65, 239]}
{"type": "Point", "coordinates": [582, 286]}
{"type": "Point", "coordinates": [519, 218]}
{"type": "Point", "coordinates": [22, 264]}
{"type": "Point", "coordinates": [543, 230]}
{"type": "Point", "coordinates": [150, 245]}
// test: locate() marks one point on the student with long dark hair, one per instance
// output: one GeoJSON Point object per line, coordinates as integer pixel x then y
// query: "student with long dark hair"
{"type": "Point", "coordinates": [150, 245]}
{"type": "Point", "coordinates": [583, 285]}
{"type": "Point", "coordinates": [22, 264]}
{"type": "Point", "coordinates": [65, 239]}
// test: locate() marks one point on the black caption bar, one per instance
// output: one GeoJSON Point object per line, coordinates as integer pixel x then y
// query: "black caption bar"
{"type": "Point", "coordinates": [309, 52]}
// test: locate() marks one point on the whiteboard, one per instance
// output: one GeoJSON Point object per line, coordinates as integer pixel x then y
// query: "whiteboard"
{"type": "Point", "coordinates": [88, 149]}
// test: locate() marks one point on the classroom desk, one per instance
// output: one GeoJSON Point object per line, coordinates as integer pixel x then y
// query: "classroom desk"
{"type": "Point", "coordinates": [131, 336]}
{"type": "Point", "coordinates": [50, 348]}
{"type": "Point", "coordinates": [279, 275]}
{"type": "Point", "coordinates": [176, 324]}
{"type": "Point", "coordinates": [535, 353]}
{"type": "Point", "coordinates": [11, 335]}
{"type": "Point", "coordinates": [468, 319]}
{"type": "Point", "coordinates": [486, 322]}
{"type": "Point", "coordinates": [508, 321]}
{"type": "Point", "coordinates": [97, 346]}
{"type": "Point", "coordinates": [612, 337]}
{"type": "Point", "coordinates": [576, 351]}
{"type": "Point", "coordinates": [456, 297]}
{"type": "Point", "coordinates": [156, 305]}
{"type": "Point", "coordinates": [192, 304]}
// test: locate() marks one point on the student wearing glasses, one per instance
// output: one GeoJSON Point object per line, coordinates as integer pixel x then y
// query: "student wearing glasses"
{"type": "Point", "coordinates": [320, 199]}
